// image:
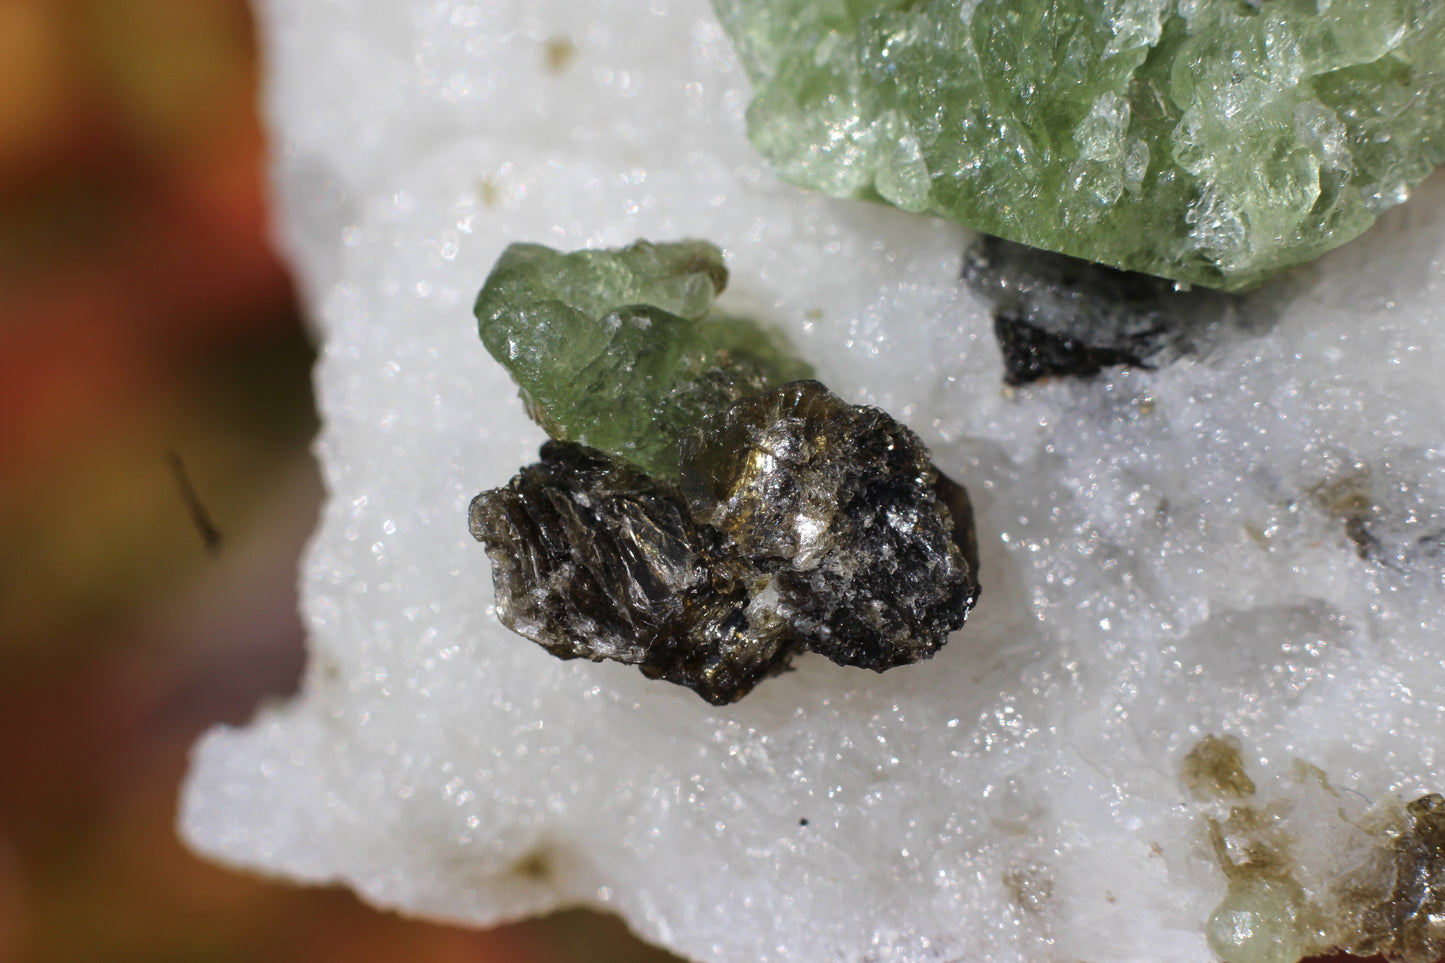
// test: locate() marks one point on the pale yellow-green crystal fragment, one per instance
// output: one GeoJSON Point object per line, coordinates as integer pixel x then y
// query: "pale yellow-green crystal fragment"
{"type": "Point", "coordinates": [1215, 142]}
{"type": "Point", "coordinates": [618, 349]}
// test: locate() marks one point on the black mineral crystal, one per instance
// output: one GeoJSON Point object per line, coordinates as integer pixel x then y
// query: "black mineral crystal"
{"type": "Point", "coordinates": [800, 522]}
{"type": "Point", "coordinates": [1058, 316]}
{"type": "Point", "coordinates": [839, 504]}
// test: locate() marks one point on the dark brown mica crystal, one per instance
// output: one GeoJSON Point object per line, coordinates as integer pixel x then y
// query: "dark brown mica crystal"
{"type": "Point", "coordinates": [1409, 923]}
{"type": "Point", "coordinates": [593, 559]}
{"type": "Point", "coordinates": [838, 503]}
{"type": "Point", "coordinates": [802, 522]}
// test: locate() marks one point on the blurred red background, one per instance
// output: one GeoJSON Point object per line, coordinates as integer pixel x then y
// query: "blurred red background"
{"type": "Point", "coordinates": [142, 312]}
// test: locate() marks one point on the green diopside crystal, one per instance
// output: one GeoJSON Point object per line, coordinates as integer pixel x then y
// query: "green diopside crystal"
{"type": "Point", "coordinates": [616, 349]}
{"type": "Point", "coordinates": [1210, 141]}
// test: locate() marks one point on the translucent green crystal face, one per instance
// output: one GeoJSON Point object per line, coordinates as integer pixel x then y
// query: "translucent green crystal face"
{"type": "Point", "coordinates": [616, 349]}
{"type": "Point", "coordinates": [1210, 141]}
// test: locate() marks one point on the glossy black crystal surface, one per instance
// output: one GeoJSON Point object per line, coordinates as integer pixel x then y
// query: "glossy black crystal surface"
{"type": "Point", "coordinates": [801, 522]}
{"type": "Point", "coordinates": [1056, 315]}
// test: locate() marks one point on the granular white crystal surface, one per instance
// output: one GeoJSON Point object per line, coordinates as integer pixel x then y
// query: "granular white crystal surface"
{"type": "Point", "coordinates": [1249, 543]}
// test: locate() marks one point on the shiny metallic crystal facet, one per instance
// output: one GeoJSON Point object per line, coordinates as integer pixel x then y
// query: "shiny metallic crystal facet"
{"type": "Point", "coordinates": [801, 522]}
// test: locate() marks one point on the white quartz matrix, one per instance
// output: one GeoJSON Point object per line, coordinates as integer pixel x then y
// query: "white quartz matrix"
{"type": "Point", "coordinates": [1164, 553]}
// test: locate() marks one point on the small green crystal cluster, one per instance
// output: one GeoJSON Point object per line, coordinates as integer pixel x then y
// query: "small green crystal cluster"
{"type": "Point", "coordinates": [616, 349]}
{"type": "Point", "coordinates": [1209, 141]}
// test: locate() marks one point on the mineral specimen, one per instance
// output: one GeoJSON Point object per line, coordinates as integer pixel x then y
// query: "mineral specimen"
{"type": "Point", "coordinates": [1059, 315]}
{"type": "Point", "coordinates": [440, 766]}
{"type": "Point", "coordinates": [1376, 886]}
{"type": "Point", "coordinates": [1214, 770]}
{"type": "Point", "coordinates": [1408, 921]}
{"type": "Point", "coordinates": [616, 349]}
{"type": "Point", "coordinates": [802, 522]}
{"type": "Point", "coordinates": [839, 504]}
{"type": "Point", "coordinates": [1210, 141]}
{"type": "Point", "coordinates": [808, 522]}
{"type": "Point", "coordinates": [594, 559]}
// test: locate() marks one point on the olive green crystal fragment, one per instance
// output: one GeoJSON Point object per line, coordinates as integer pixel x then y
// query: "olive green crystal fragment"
{"type": "Point", "coordinates": [619, 350]}
{"type": "Point", "coordinates": [1214, 770]}
{"type": "Point", "coordinates": [1215, 142]}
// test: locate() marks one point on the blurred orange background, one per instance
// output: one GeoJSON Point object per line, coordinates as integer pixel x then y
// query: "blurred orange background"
{"type": "Point", "coordinates": [144, 323]}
